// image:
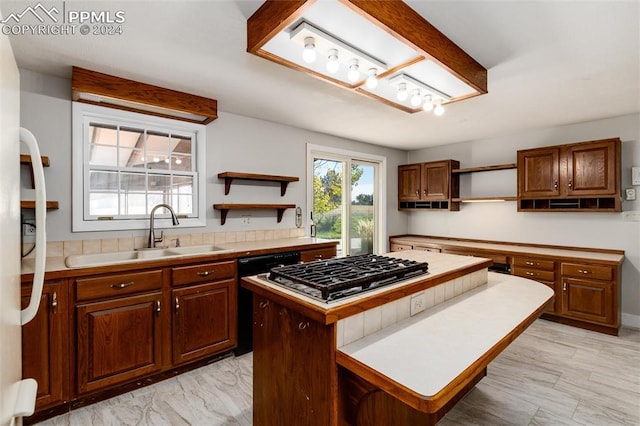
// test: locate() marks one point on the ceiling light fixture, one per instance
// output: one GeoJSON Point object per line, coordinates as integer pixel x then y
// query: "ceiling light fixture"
{"type": "Point", "coordinates": [372, 80]}
{"type": "Point", "coordinates": [402, 94]}
{"type": "Point", "coordinates": [354, 74]}
{"type": "Point", "coordinates": [383, 43]}
{"type": "Point", "coordinates": [309, 52]}
{"type": "Point", "coordinates": [332, 65]}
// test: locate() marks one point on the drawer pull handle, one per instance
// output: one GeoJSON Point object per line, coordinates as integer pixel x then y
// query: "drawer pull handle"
{"type": "Point", "coordinates": [264, 304]}
{"type": "Point", "coordinates": [158, 307]}
{"type": "Point", "coordinates": [177, 305]}
{"type": "Point", "coordinates": [529, 263]}
{"type": "Point", "coordinates": [584, 271]}
{"type": "Point", "coordinates": [529, 273]}
{"type": "Point", "coordinates": [122, 285]}
{"type": "Point", "coordinates": [564, 287]}
{"type": "Point", "coordinates": [303, 325]}
{"type": "Point", "coordinates": [54, 302]}
{"type": "Point", "coordinates": [318, 256]}
{"type": "Point", "coordinates": [204, 273]}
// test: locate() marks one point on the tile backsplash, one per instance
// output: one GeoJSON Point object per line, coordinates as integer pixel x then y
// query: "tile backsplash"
{"type": "Point", "coordinates": [365, 323]}
{"type": "Point", "coordinates": [110, 245]}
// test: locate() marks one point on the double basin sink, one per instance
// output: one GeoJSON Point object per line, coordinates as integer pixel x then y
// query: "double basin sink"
{"type": "Point", "coordinates": [85, 260]}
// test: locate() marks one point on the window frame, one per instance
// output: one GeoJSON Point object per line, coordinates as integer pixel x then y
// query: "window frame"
{"type": "Point", "coordinates": [380, 199]}
{"type": "Point", "coordinates": [81, 114]}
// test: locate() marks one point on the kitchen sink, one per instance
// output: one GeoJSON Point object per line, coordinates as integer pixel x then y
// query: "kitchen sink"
{"type": "Point", "coordinates": [85, 260]}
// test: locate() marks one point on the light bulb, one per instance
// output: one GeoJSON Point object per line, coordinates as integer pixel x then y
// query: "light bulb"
{"type": "Point", "coordinates": [309, 52]}
{"type": "Point", "coordinates": [416, 99]}
{"type": "Point", "coordinates": [166, 160]}
{"type": "Point", "coordinates": [402, 92]}
{"type": "Point", "coordinates": [372, 80]}
{"type": "Point", "coordinates": [333, 65]}
{"type": "Point", "coordinates": [178, 161]}
{"type": "Point", "coordinates": [156, 159]}
{"type": "Point", "coordinates": [439, 109]}
{"type": "Point", "coordinates": [354, 74]}
{"type": "Point", "coordinates": [428, 103]}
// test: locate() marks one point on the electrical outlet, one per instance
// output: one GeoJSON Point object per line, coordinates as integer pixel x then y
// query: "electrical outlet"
{"type": "Point", "coordinates": [246, 220]}
{"type": "Point", "coordinates": [630, 194]}
{"type": "Point", "coordinates": [28, 229]}
{"type": "Point", "coordinates": [418, 303]}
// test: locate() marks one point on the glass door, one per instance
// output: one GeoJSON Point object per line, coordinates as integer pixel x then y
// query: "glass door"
{"type": "Point", "coordinates": [345, 203]}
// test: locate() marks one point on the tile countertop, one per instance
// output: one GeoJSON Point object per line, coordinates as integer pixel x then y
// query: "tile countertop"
{"type": "Point", "coordinates": [442, 342]}
{"type": "Point", "coordinates": [514, 248]}
{"type": "Point", "coordinates": [237, 249]}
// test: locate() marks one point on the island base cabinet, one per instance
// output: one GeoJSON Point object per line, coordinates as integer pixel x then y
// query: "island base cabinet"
{"type": "Point", "coordinates": [44, 345]}
{"type": "Point", "coordinates": [294, 372]}
{"type": "Point", "coordinates": [118, 340]}
{"type": "Point", "coordinates": [202, 322]}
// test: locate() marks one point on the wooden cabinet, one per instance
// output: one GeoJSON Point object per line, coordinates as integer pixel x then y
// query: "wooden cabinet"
{"type": "Point", "coordinates": [575, 177]}
{"type": "Point", "coordinates": [541, 270]}
{"type": "Point", "coordinates": [589, 293]}
{"type": "Point", "coordinates": [428, 185]}
{"type": "Point", "coordinates": [317, 254]}
{"type": "Point", "coordinates": [119, 323]}
{"type": "Point", "coordinates": [45, 345]}
{"type": "Point", "coordinates": [204, 314]}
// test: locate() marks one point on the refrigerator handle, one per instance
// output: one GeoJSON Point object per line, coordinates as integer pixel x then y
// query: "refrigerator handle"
{"type": "Point", "coordinates": [30, 311]}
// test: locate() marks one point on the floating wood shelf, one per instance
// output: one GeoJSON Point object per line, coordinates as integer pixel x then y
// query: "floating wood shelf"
{"type": "Point", "coordinates": [230, 176]}
{"type": "Point", "coordinates": [51, 205]}
{"type": "Point", "coordinates": [224, 209]}
{"type": "Point", "coordinates": [485, 168]}
{"type": "Point", "coordinates": [26, 160]}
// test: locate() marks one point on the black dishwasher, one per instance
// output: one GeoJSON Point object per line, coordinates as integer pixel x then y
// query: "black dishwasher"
{"type": "Point", "coordinates": [248, 266]}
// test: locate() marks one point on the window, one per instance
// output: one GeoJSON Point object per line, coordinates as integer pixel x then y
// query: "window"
{"type": "Point", "coordinates": [126, 163]}
{"type": "Point", "coordinates": [346, 199]}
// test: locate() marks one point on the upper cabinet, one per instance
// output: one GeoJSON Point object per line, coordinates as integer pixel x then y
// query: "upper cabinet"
{"type": "Point", "coordinates": [428, 186]}
{"type": "Point", "coordinates": [575, 177]}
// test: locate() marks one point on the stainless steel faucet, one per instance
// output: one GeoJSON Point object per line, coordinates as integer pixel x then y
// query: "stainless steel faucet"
{"type": "Point", "coordinates": [152, 236]}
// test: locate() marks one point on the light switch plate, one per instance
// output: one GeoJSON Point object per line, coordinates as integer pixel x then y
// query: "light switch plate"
{"type": "Point", "coordinates": [630, 194]}
{"type": "Point", "coordinates": [635, 175]}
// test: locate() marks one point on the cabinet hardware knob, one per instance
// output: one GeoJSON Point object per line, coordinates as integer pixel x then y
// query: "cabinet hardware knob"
{"type": "Point", "coordinates": [54, 302]}
{"type": "Point", "coordinates": [418, 192]}
{"type": "Point", "coordinates": [529, 273]}
{"type": "Point", "coordinates": [204, 273]}
{"type": "Point", "coordinates": [570, 184]}
{"type": "Point", "coordinates": [303, 325]}
{"type": "Point", "coordinates": [555, 184]}
{"type": "Point", "coordinates": [177, 305]}
{"type": "Point", "coordinates": [318, 256]}
{"type": "Point", "coordinates": [425, 192]}
{"type": "Point", "coordinates": [158, 307]}
{"type": "Point", "coordinates": [122, 285]}
{"type": "Point", "coordinates": [584, 271]}
{"type": "Point", "coordinates": [564, 287]}
{"type": "Point", "coordinates": [529, 263]}
{"type": "Point", "coordinates": [263, 304]}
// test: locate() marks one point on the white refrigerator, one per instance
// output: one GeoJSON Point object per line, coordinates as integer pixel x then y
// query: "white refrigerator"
{"type": "Point", "coordinates": [17, 394]}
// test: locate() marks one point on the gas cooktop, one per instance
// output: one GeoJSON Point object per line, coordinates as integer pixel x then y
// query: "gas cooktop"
{"type": "Point", "coordinates": [333, 279]}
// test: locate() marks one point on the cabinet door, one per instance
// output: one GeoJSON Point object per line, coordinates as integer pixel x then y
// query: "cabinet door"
{"type": "Point", "coordinates": [202, 320]}
{"type": "Point", "coordinates": [409, 182]}
{"type": "Point", "coordinates": [44, 345]}
{"type": "Point", "coordinates": [538, 172]}
{"type": "Point", "coordinates": [591, 168]}
{"type": "Point", "coordinates": [118, 340]}
{"type": "Point", "coordinates": [435, 181]}
{"type": "Point", "coordinates": [587, 300]}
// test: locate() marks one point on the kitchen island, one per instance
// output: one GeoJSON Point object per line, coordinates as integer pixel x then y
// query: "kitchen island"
{"type": "Point", "coordinates": [367, 360]}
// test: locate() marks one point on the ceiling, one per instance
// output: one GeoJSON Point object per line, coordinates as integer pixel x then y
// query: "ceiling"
{"type": "Point", "coordinates": [549, 63]}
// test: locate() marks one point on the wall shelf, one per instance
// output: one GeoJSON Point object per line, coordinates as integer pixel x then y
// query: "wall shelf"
{"type": "Point", "coordinates": [484, 199]}
{"type": "Point", "coordinates": [51, 205]}
{"type": "Point", "coordinates": [230, 176]}
{"type": "Point", "coordinates": [26, 160]}
{"type": "Point", "coordinates": [224, 209]}
{"type": "Point", "coordinates": [486, 168]}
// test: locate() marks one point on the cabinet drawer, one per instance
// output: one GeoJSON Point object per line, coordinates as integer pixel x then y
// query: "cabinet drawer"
{"type": "Point", "coordinates": [203, 273]}
{"type": "Point", "coordinates": [311, 255]}
{"type": "Point", "coordinates": [534, 274]}
{"type": "Point", "coordinates": [526, 262]}
{"type": "Point", "coordinates": [431, 249]}
{"type": "Point", "coordinates": [118, 284]}
{"type": "Point", "coordinates": [399, 247]}
{"type": "Point", "coordinates": [587, 271]}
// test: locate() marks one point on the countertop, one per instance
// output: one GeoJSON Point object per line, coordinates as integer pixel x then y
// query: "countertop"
{"type": "Point", "coordinates": [441, 343]}
{"type": "Point", "coordinates": [231, 250]}
{"type": "Point", "coordinates": [610, 256]}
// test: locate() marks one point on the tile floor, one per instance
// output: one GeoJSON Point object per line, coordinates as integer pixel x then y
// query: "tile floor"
{"type": "Point", "coordinates": [551, 375]}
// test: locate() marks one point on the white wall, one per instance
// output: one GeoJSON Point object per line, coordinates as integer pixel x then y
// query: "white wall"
{"type": "Point", "coordinates": [234, 143]}
{"type": "Point", "coordinates": [501, 221]}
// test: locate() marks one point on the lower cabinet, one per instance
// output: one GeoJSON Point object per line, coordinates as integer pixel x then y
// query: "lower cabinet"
{"type": "Point", "coordinates": [118, 340]}
{"type": "Point", "coordinates": [203, 320]}
{"type": "Point", "coordinates": [317, 254]}
{"type": "Point", "coordinates": [589, 293]}
{"type": "Point", "coordinates": [541, 270]}
{"type": "Point", "coordinates": [45, 351]}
